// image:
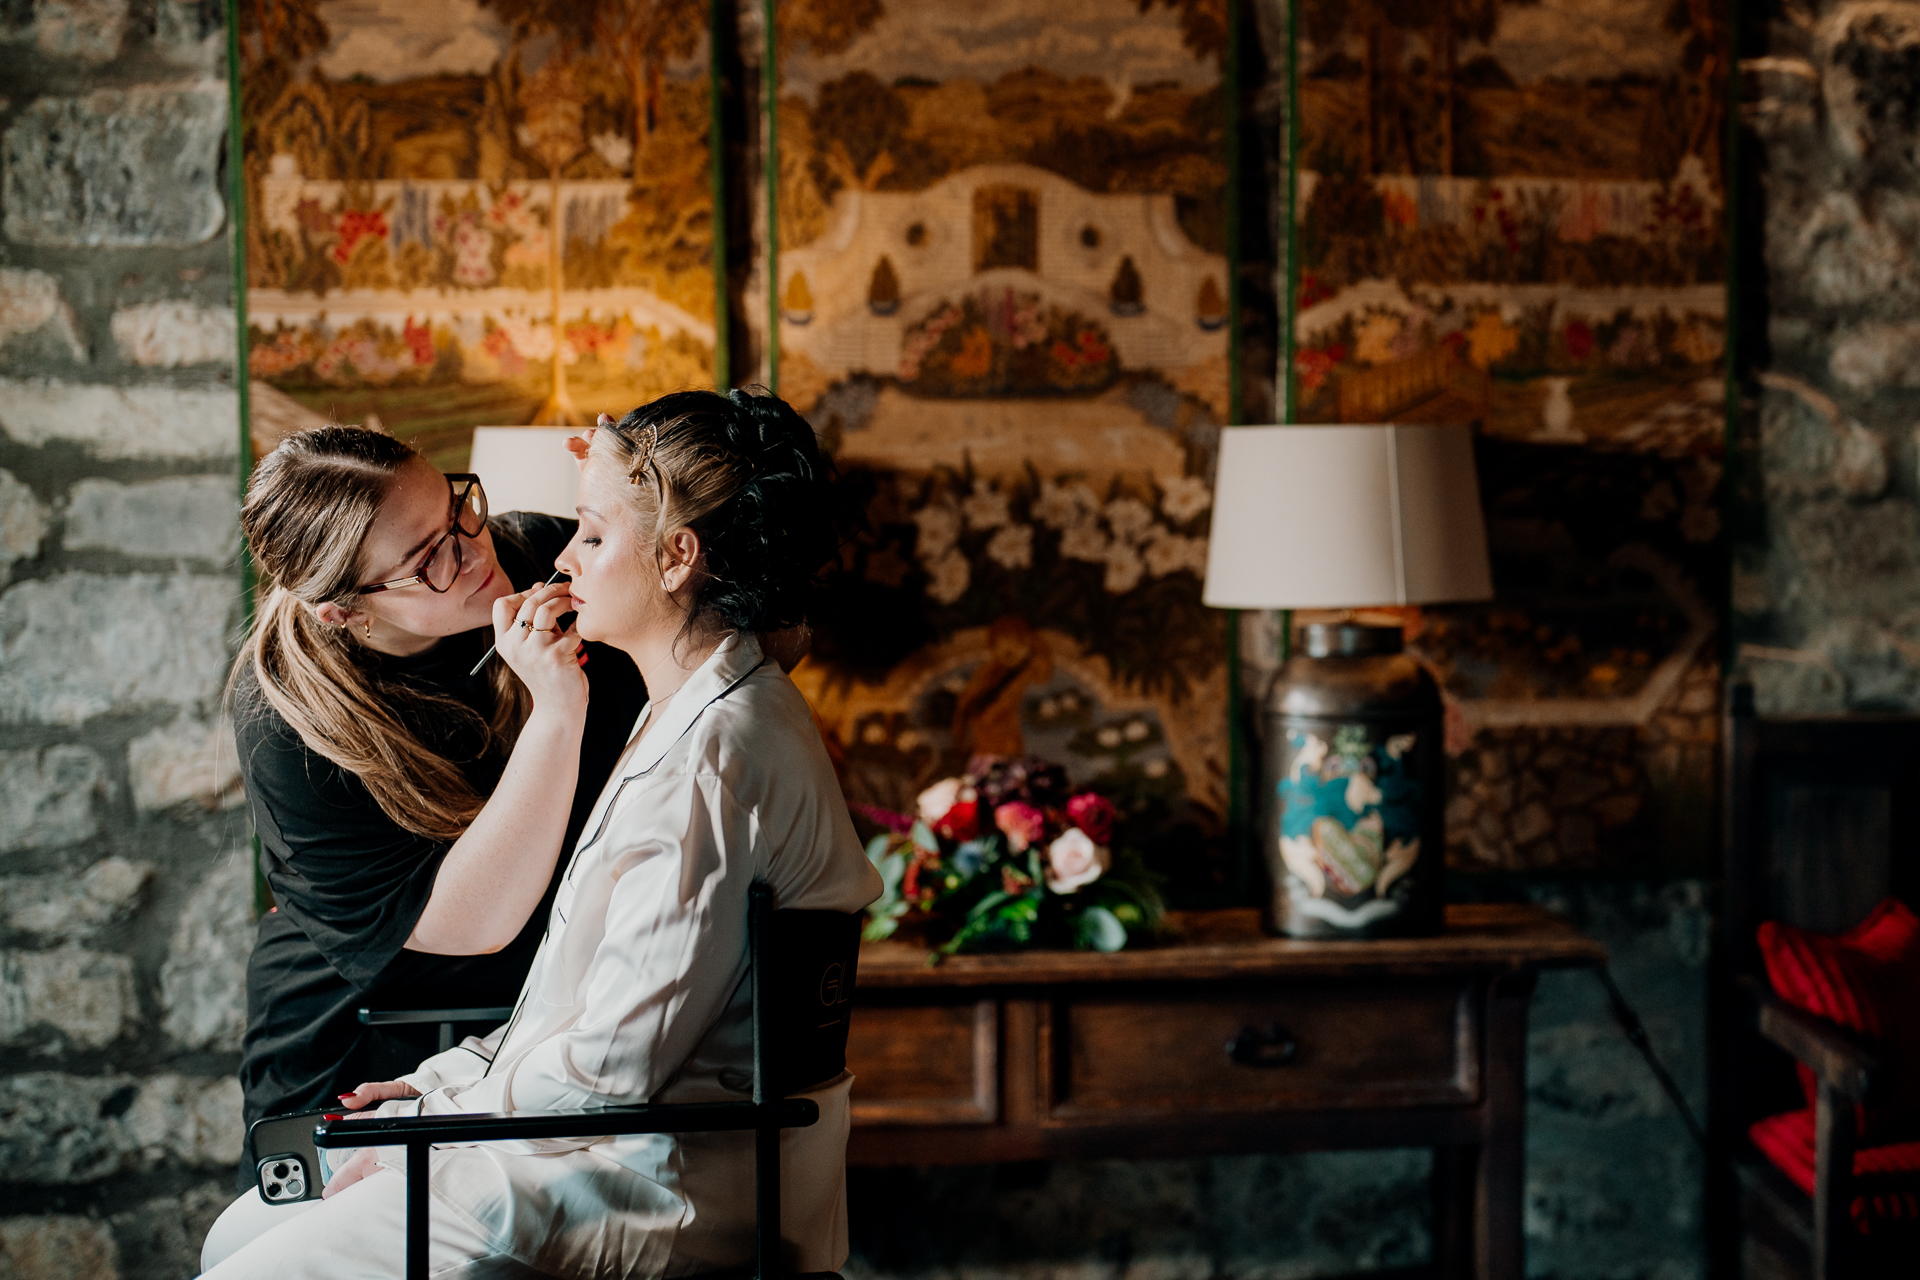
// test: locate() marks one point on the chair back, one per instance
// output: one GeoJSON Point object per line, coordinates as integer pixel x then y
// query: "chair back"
{"type": "Point", "coordinates": [804, 967]}
{"type": "Point", "coordinates": [1822, 821]}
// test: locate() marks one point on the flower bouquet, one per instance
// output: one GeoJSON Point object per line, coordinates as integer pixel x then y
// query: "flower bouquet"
{"type": "Point", "coordinates": [1006, 856]}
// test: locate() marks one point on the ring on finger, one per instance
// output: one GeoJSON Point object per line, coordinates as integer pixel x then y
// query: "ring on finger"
{"type": "Point", "coordinates": [542, 630]}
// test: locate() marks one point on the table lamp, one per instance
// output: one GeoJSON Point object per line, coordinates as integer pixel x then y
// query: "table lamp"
{"type": "Point", "coordinates": [1352, 804]}
{"type": "Point", "coordinates": [527, 468]}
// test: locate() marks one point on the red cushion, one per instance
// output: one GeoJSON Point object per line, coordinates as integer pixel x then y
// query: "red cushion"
{"type": "Point", "coordinates": [1888, 1177]}
{"type": "Point", "coordinates": [1867, 980]}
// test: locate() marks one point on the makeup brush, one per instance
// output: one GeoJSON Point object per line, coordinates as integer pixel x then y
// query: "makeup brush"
{"type": "Point", "coordinates": [488, 655]}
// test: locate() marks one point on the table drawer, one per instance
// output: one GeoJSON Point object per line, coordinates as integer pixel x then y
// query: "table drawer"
{"type": "Point", "coordinates": [925, 1063]}
{"type": "Point", "coordinates": [1333, 1045]}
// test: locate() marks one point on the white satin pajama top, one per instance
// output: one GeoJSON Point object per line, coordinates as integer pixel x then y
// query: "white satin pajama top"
{"type": "Point", "coordinates": [638, 994]}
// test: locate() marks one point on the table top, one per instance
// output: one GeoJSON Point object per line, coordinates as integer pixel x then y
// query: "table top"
{"type": "Point", "coordinates": [1219, 945]}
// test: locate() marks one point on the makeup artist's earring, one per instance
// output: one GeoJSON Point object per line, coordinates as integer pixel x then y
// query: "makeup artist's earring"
{"type": "Point", "coordinates": [369, 628]}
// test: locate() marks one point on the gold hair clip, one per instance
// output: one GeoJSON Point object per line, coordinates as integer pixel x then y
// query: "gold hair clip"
{"type": "Point", "coordinates": [643, 456]}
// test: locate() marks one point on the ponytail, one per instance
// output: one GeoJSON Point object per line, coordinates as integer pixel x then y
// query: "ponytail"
{"type": "Point", "coordinates": [307, 511]}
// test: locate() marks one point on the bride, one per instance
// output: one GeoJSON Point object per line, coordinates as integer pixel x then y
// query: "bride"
{"type": "Point", "coordinates": [703, 520]}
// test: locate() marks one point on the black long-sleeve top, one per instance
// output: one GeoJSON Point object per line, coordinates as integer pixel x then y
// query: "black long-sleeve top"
{"type": "Point", "coordinates": [349, 883]}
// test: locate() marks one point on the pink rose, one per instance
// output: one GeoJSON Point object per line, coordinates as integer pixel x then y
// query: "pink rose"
{"type": "Point", "coordinates": [1074, 861]}
{"type": "Point", "coordinates": [1094, 815]}
{"type": "Point", "coordinates": [1023, 824]}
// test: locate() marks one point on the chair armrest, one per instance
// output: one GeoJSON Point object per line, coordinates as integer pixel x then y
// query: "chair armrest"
{"type": "Point", "coordinates": [495, 1014]}
{"type": "Point", "coordinates": [595, 1122]}
{"type": "Point", "coordinates": [1838, 1060]}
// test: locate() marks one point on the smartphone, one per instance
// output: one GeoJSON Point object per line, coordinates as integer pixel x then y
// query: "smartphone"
{"type": "Point", "coordinates": [288, 1168]}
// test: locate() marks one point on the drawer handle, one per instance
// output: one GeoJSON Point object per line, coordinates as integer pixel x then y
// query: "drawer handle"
{"type": "Point", "coordinates": [1272, 1047]}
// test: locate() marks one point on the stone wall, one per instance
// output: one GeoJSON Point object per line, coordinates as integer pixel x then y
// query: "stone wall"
{"type": "Point", "coordinates": [125, 894]}
{"type": "Point", "coordinates": [1826, 593]}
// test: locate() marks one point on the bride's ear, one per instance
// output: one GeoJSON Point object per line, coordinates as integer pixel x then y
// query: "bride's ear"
{"type": "Point", "coordinates": [679, 558]}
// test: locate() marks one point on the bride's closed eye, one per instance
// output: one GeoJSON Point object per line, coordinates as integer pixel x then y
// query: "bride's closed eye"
{"type": "Point", "coordinates": [589, 542]}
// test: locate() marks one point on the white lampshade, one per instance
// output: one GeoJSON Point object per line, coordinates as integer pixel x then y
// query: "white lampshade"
{"type": "Point", "coordinates": [527, 468]}
{"type": "Point", "coordinates": [1342, 517]}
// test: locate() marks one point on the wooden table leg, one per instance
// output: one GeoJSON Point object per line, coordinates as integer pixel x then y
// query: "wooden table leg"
{"type": "Point", "coordinates": [1453, 1215]}
{"type": "Point", "coordinates": [1499, 1248]}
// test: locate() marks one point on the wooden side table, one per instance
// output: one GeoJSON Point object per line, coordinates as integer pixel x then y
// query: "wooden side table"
{"type": "Point", "coordinates": [1224, 1042]}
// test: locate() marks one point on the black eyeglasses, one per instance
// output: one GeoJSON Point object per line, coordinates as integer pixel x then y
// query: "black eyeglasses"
{"type": "Point", "coordinates": [441, 566]}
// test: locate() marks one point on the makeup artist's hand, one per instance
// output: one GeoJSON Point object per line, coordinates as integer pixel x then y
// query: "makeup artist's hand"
{"type": "Point", "coordinates": [366, 1159]}
{"type": "Point", "coordinates": [547, 660]}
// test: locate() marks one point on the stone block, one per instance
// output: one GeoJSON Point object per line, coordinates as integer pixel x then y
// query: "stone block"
{"type": "Point", "coordinates": [190, 32]}
{"type": "Point", "coordinates": [203, 984]}
{"type": "Point", "coordinates": [65, 908]}
{"type": "Point", "coordinates": [190, 1120]}
{"type": "Point", "coordinates": [82, 644]}
{"type": "Point", "coordinates": [1617, 811]}
{"type": "Point", "coordinates": [1868, 58]}
{"type": "Point", "coordinates": [1854, 557]}
{"type": "Point", "coordinates": [197, 516]}
{"type": "Point", "coordinates": [118, 167]}
{"type": "Point", "coordinates": [171, 334]}
{"type": "Point", "coordinates": [30, 304]}
{"type": "Point", "coordinates": [186, 760]}
{"type": "Point", "coordinates": [62, 1129]}
{"type": "Point", "coordinates": [1882, 665]}
{"type": "Point", "coordinates": [85, 995]}
{"type": "Point", "coordinates": [122, 422]}
{"type": "Point", "coordinates": [1877, 355]}
{"type": "Point", "coordinates": [1840, 257]}
{"type": "Point", "coordinates": [1531, 822]}
{"type": "Point", "coordinates": [23, 523]}
{"type": "Point", "coordinates": [47, 795]}
{"type": "Point", "coordinates": [57, 1247]}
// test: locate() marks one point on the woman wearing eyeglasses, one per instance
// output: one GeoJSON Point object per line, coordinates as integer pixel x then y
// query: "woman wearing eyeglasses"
{"type": "Point", "coordinates": [410, 814]}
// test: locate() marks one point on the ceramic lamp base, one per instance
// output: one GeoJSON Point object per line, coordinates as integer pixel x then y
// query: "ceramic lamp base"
{"type": "Point", "coordinates": [1352, 796]}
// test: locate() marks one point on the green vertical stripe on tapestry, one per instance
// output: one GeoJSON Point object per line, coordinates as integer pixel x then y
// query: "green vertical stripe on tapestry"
{"type": "Point", "coordinates": [770, 104]}
{"type": "Point", "coordinates": [717, 177]}
{"type": "Point", "coordinates": [237, 231]}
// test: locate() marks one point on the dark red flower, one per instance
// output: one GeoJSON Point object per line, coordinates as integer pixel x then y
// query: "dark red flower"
{"type": "Point", "coordinates": [1093, 814]}
{"type": "Point", "coordinates": [962, 822]}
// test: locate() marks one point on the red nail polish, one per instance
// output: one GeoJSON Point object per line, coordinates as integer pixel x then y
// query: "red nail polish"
{"type": "Point", "coordinates": [332, 1117]}
{"type": "Point", "coordinates": [343, 1096]}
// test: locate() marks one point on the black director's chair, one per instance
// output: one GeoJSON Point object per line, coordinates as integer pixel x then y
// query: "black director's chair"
{"type": "Point", "coordinates": [802, 966]}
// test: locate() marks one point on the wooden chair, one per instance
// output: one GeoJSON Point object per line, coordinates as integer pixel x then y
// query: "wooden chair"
{"type": "Point", "coordinates": [1821, 821]}
{"type": "Point", "coordinates": [802, 968]}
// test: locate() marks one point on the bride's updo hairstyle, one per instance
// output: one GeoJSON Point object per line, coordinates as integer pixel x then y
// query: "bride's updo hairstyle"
{"type": "Point", "coordinates": [744, 472]}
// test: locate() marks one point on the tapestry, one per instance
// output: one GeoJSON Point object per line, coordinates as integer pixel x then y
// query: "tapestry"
{"type": "Point", "coordinates": [1512, 214]}
{"type": "Point", "coordinates": [1001, 289]}
{"type": "Point", "coordinates": [477, 211]}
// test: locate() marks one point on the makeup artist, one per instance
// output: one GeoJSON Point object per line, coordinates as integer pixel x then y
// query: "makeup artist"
{"type": "Point", "coordinates": [411, 815]}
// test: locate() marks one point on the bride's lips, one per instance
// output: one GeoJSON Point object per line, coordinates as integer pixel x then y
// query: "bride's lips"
{"type": "Point", "coordinates": [483, 584]}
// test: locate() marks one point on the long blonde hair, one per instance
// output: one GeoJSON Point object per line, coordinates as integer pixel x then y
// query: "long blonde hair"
{"type": "Point", "coordinates": [307, 512]}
